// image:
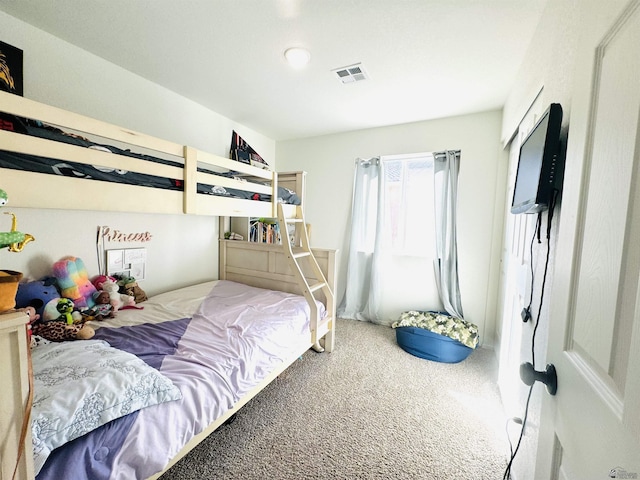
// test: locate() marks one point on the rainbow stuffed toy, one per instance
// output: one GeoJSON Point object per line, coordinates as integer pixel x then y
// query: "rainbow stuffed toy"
{"type": "Point", "coordinates": [73, 282]}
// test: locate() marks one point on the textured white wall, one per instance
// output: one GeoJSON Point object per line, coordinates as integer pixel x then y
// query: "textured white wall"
{"type": "Point", "coordinates": [184, 248]}
{"type": "Point", "coordinates": [330, 163]}
{"type": "Point", "coordinates": [548, 65]}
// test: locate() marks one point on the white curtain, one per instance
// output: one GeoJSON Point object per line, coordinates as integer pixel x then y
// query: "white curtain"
{"type": "Point", "coordinates": [362, 300]}
{"type": "Point", "coordinates": [446, 167]}
{"type": "Point", "coordinates": [373, 252]}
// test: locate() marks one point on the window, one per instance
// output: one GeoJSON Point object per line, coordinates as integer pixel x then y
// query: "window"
{"type": "Point", "coordinates": [409, 204]}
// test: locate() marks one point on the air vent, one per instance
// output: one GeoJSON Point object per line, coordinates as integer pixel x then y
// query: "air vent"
{"type": "Point", "coordinates": [352, 73]}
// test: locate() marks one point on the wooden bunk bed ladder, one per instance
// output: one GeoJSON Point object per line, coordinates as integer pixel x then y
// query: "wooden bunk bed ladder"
{"type": "Point", "coordinates": [298, 253]}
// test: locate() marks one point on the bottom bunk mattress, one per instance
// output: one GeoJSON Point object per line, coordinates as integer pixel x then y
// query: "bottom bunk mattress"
{"type": "Point", "coordinates": [213, 356]}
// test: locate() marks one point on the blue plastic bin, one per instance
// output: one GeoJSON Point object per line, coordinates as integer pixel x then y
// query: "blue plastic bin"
{"type": "Point", "coordinates": [431, 346]}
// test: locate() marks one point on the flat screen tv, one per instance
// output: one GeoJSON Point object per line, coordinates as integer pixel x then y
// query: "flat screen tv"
{"type": "Point", "coordinates": [539, 164]}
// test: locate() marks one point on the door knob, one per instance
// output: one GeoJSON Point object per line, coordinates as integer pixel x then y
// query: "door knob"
{"type": "Point", "coordinates": [529, 376]}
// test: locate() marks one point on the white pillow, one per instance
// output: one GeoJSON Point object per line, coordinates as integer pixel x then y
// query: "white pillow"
{"type": "Point", "coordinates": [81, 385]}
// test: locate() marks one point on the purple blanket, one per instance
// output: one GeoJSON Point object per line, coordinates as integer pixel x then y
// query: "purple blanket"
{"type": "Point", "coordinates": [91, 456]}
{"type": "Point", "coordinates": [235, 339]}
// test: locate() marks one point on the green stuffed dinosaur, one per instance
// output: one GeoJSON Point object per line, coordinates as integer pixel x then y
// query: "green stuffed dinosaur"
{"type": "Point", "coordinates": [14, 240]}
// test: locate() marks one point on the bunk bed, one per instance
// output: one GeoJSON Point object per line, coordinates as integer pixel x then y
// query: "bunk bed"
{"type": "Point", "coordinates": [50, 149]}
{"type": "Point", "coordinates": [298, 312]}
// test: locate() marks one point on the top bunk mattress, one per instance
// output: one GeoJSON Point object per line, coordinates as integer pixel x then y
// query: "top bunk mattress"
{"type": "Point", "coordinates": [86, 161]}
{"type": "Point", "coordinates": [69, 168]}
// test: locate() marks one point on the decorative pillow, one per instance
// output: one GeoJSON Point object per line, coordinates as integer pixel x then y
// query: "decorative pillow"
{"type": "Point", "coordinates": [443, 324]}
{"type": "Point", "coordinates": [79, 386]}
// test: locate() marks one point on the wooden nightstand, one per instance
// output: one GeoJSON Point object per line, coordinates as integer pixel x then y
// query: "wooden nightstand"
{"type": "Point", "coordinates": [14, 392]}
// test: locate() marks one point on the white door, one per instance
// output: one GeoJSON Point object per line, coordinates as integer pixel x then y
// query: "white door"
{"type": "Point", "coordinates": [591, 428]}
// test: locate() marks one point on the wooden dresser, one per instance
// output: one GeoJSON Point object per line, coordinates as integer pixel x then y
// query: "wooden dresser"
{"type": "Point", "coordinates": [14, 392]}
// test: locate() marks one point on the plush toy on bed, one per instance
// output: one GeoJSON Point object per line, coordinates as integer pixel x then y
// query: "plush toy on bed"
{"type": "Point", "coordinates": [118, 300]}
{"type": "Point", "coordinates": [129, 286]}
{"type": "Point", "coordinates": [54, 324]}
{"type": "Point", "coordinates": [73, 281]}
{"type": "Point", "coordinates": [100, 279]}
{"type": "Point", "coordinates": [36, 294]}
{"type": "Point", "coordinates": [103, 307]}
{"type": "Point", "coordinates": [59, 331]}
{"type": "Point", "coordinates": [33, 318]}
{"type": "Point", "coordinates": [34, 340]}
{"type": "Point", "coordinates": [61, 309]}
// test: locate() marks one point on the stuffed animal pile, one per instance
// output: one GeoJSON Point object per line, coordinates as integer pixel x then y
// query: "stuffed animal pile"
{"type": "Point", "coordinates": [60, 323]}
{"type": "Point", "coordinates": [118, 300]}
{"type": "Point", "coordinates": [60, 307]}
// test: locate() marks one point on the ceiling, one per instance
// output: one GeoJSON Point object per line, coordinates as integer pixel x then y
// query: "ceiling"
{"type": "Point", "coordinates": [425, 59]}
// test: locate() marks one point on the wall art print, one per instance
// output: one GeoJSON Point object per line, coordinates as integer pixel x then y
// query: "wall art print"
{"type": "Point", "coordinates": [11, 69]}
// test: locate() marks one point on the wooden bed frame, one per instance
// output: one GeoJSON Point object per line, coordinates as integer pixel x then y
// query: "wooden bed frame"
{"type": "Point", "coordinates": [261, 265]}
{"type": "Point", "coordinates": [148, 200]}
{"type": "Point", "coordinates": [268, 266]}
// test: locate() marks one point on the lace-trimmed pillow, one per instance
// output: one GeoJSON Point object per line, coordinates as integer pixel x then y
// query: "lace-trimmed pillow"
{"type": "Point", "coordinates": [79, 386]}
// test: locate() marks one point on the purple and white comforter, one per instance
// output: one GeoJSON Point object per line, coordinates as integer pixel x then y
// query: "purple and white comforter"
{"type": "Point", "coordinates": [235, 338]}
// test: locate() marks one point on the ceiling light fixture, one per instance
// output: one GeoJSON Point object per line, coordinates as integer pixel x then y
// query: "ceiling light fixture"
{"type": "Point", "coordinates": [297, 57]}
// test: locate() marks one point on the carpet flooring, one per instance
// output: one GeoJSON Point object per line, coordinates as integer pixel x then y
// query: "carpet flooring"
{"type": "Point", "coordinates": [368, 410]}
